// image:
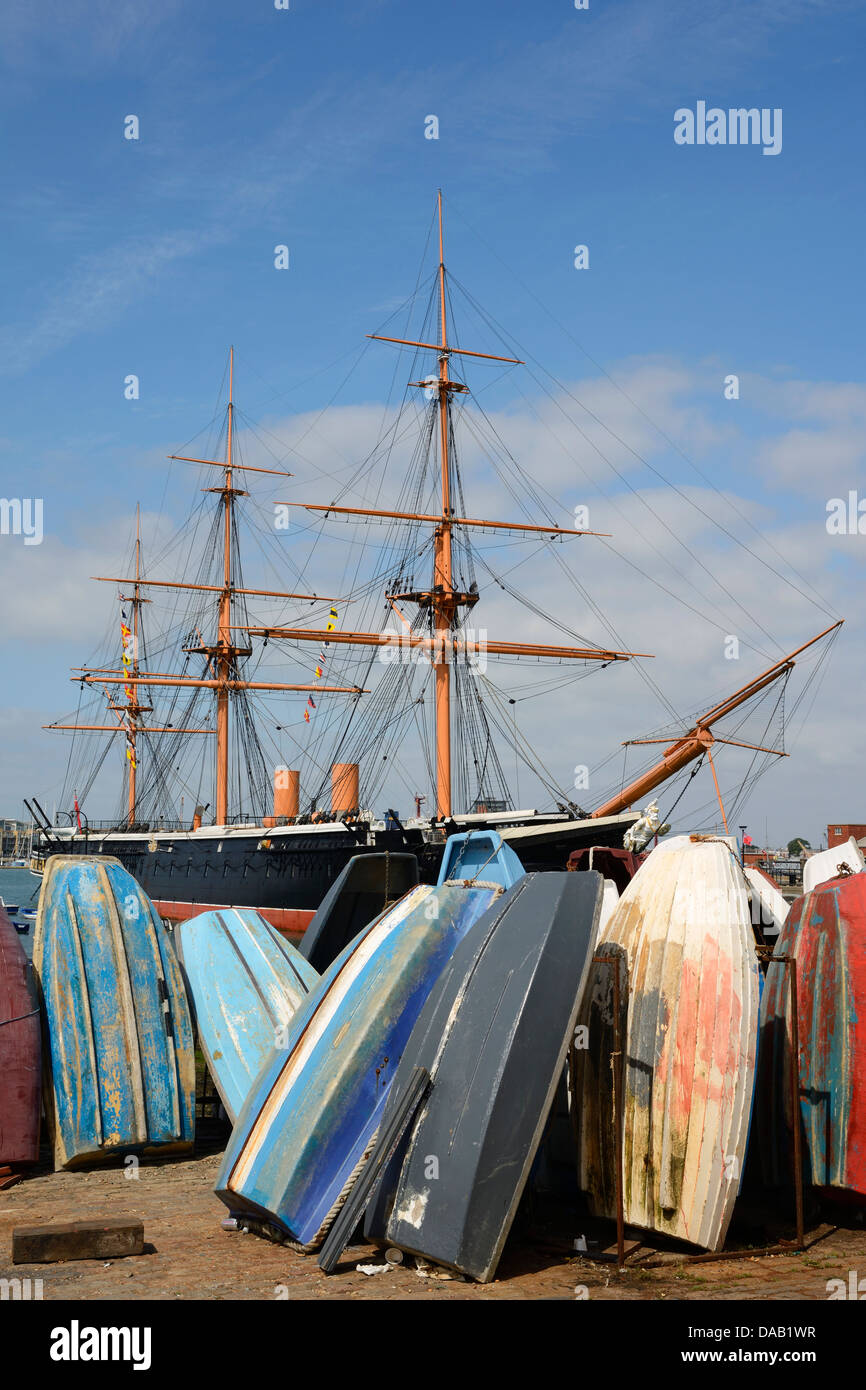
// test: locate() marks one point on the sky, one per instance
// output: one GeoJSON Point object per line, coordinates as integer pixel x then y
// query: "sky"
{"type": "Point", "coordinates": [307, 128]}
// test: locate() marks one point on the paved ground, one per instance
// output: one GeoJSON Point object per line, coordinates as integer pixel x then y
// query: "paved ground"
{"type": "Point", "coordinates": [189, 1256]}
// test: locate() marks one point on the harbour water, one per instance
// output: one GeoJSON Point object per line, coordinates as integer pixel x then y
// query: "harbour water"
{"type": "Point", "coordinates": [19, 886]}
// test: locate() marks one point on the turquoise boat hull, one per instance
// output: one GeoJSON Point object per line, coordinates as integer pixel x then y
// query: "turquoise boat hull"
{"type": "Point", "coordinates": [245, 984]}
{"type": "Point", "coordinates": [310, 1120]}
{"type": "Point", "coordinates": [479, 856]}
{"type": "Point", "coordinates": [119, 1059]}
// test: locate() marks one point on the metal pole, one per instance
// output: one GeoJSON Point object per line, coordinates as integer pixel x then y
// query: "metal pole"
{"type": "Point", "coordinates": [794, 1072]}
{"type": "Point", "coordinates": [616, 1066]}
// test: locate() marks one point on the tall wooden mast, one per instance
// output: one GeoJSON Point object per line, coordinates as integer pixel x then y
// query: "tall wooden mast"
{"type": "Point", "coordinates": [134, 707]}
{"type": "Point", "coordinates": [444, 606]}
{"type": "Point", "coordinates": [226, 653]}
{"type": "Point", "coordinates": [443, 600]}
{"type": "Point", "coordinates": [222, 657]}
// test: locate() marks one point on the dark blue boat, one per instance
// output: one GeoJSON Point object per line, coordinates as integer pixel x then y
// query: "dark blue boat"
{"type": "Point", "coordinates": [310, 1120]}
{"type": "Point", "coordinates": [493, 1037]}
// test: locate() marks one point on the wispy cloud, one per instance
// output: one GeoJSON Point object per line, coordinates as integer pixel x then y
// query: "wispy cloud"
{"type": "Point", "coordinates": [505, 118]}
{"type": "Point", "coordinates": [89, 33]}
{"type": "Point", "coordinates": [96, 291]}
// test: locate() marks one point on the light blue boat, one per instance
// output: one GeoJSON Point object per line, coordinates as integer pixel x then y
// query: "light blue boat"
{"type": "Point", "coordinates": [119, 1060]}
{"type": "Point", "coordinates": [245, 984]}
{"type": "Point", "coordinates": [309, 1123]}
{"type": "Point", "coordinates": [479, 857]}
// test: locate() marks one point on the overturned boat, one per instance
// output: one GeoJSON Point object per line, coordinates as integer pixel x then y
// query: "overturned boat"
{"type": "Point", "coordinates": [825, 934]}
{"type": "Point", "coordinates": [245, 985]}
{"type": "Point", "coordinates": [682, 942]}
{"type": "Point", "coordinates": [309, 1122]}
{"type": "Point", "coordinates": [366, 887]}
{"type": "Point", "coordinates": [119, 1059]}
{"type": "Point", "coordinates": [493, 1038]}
{"type": "Point", "coordinates": [20, 1053]}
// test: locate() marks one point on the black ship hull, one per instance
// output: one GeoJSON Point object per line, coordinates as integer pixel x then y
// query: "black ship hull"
{"type": "Point", "coordinates": [285, 873]}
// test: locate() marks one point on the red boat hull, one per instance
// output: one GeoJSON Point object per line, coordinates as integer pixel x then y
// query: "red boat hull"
{"type": "Point", "coordinates": [20, 1053]}
{"type": "Point", "coordinates": [826, 933]}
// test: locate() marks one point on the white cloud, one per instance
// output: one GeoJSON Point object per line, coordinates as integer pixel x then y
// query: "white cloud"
{"type": "Point", "coordinates": [65, 614]}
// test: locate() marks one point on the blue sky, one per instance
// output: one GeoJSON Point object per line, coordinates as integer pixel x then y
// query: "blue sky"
{"type": "Point", "coordinates": [306, 127]}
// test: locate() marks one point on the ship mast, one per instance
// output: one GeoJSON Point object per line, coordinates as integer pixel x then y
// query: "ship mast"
{"type": "Point", "coordinates": [444, 601]}
{"type": "Point", "coordinates": [223, 657]}
{"type": "Point", "coordinates": [226, 653]}
{"type": "Point", "coordinates": [444, 605]}
{"type": "Point", "coordinates": [700, 738]}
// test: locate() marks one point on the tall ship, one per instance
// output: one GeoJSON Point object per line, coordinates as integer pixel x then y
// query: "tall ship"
{"type": "Point", "coordinates": [241, 789]}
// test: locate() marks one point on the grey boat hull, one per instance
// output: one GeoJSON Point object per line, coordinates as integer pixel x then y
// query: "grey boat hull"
{"type": "Point", "coordinates": [493, 1036]}
{"type": "Point", "coordinates": [367, 885]}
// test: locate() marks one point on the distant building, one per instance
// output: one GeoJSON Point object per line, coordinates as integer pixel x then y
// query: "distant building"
{"type": "Point", "coordinates": [14, 838]}
{"type": "Point", "coordinates": [838, 834]}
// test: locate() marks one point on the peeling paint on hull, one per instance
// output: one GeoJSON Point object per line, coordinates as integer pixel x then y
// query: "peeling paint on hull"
{"type": "Point", "coordinates": [493, 1036]}
{"type": "Point", "coordinates": [20, 1052]}
{"type": "Point", "coordinates": [315, 1108]}
{"type": "Point", "coordinates": [245, 984]}
{"type": "Point", "coordinates": [826, 933]}
{"type": "Point", "coordinates": [689, 1020]}
{"type": "Point", "coordinates": [120, 1066]}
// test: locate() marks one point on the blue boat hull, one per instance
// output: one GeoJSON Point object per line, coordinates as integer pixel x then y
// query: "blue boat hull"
{"type": "Point", "coordinates": [120, 1065]}
{"type": "Point", "coordinates": [493, 1037]}
{"type": "Point", "coordinates": [245, 984]}
{"type": "Point", "coordinates": [310, 1120]}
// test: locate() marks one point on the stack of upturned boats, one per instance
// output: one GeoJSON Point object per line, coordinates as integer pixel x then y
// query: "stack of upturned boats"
{"type": "Point", "coordinates": [400, 1070]}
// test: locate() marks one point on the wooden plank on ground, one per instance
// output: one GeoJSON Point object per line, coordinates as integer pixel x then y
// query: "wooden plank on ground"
{"type": "Point", "coordinates": [77, 1240]}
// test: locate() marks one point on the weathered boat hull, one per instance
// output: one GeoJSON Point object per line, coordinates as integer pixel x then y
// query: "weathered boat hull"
{"type": "Point", "coordinates": [245, 985]}
{"type": "Point", "coordinates": [314, 1110]}
{"type": "Point", "coordinates": [688, 1015]}
{"type": "Point", "coordinates": [825, 865]}
{"type": "Point", "coordinates": [493, 1036]}
{"type": "Point", "coordinates": [826, 934]}
{"type": "Point", "coordinates": [120, 1066]}
{"type": "Point", "coordinates": [20, 1053]}
{"type": "Point", "coordinates": [368, 885]}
